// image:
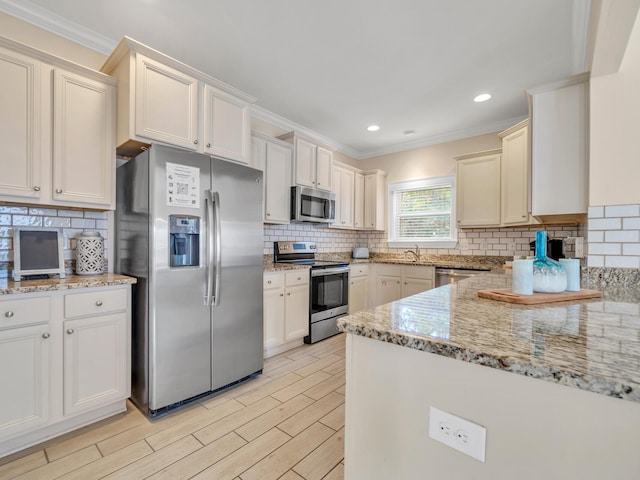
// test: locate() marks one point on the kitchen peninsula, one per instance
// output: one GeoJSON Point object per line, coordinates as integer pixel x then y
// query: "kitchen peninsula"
{"type": "Point", "coordinates": [433, 349]}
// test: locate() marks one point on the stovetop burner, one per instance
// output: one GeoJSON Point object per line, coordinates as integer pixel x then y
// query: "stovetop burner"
{"type": "Point", "coordinates": [301, 253]}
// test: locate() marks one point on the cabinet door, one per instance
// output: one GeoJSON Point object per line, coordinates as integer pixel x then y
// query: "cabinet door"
{"type": "Point", "coordinates": [346, 198]}
{"type": "Point", "coordinates": [277, 182]}
{"type": "Point", "coordinates": [374, 202]}
{"type": "Point", "coordinates": [515, 178]}
{"type": "Point", "coordinates": [24, 376]}
{"type": "Point", "coordinates": [358, 294]}
{"type": "Point", "coordinates": [411, 286]}
{"type": "Point", "coordinates": [273, 317]}
{"type": "Point", "coordinates": [324, 168]}
{"type": "Point", "coordinates": [95, 362]}
{"type": "Point", "coordinates": [296, 312]}
{"type": "Point", "coordinates": [305, 163]}
{"type": "Point", "coordinates": [388, 289]}
{"type": "Point", "coordinates": [258, 153]}
{"type": "Point", "coordinates": [166, 104]}
{"type": "Point", "coordinates": [358, 201]}
{"type": "Point", "coordinates": [20, 108]}
{"type": "Point", "coordinates": [478, 191]}
{"type": "Point", "coordinates": [83, 141]}
{"type": "Point", "coordinates": [227, 126]}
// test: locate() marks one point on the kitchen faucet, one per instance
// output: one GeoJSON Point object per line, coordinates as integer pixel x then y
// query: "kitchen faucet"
{"type": "Point", "coordinates": [416, 254]}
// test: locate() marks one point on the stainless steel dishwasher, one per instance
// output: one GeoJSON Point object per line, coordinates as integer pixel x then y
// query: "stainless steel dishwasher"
{"type": "Point", "coordinates": [447, 276]}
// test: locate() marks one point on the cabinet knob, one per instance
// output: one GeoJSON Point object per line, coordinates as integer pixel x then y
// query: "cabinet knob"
{"type": "Point", "coordinates": [8, 314]}
{"type": "Point", "coordinates": [195, 142]}
{"type": "Point", "coordinates": [269, 282]}
{"type": "Point", "coordinates": [208, 144]}
{"type": "Point", "coordinates": [289, 294]}
{"type": "Point", "coordinates": [405, 283]}
{"type": "Point", "coordinates": [268, 214]}
{"type": "Point", "coordinates": [398, 282]}
{"type": "Point", "coordinates": [282, 294]}
{"type": "Point", "coordinates": [99, 303]}
{"type": "Point", "coordinates": [45, 335]}
{"type": "Point", "coordinates": [58, 190]}
{"type": "Point", "coordinates": [69, 331]}
{"type": "Point", "coordinates": [299, 278]}
{"type": "Point", "coordinates": [36, 189]}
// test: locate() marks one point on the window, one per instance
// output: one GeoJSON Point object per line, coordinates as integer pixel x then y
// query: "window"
{"type": "Point", "coordinates": [422, 212]}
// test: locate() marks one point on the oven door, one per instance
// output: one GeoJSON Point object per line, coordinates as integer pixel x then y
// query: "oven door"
{"type": "Point", "coordinates": [329, 299]}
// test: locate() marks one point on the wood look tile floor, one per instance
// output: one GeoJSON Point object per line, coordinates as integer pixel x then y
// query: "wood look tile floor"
{"type": "Point", "coordinates": [287, 424]}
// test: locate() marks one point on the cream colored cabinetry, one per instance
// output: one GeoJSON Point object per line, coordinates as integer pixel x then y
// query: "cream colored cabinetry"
{"type": "Point", "coordinates": [478, 189]}
{"type": "Point", "coordinates": [375, 191]}
{"type": "Point", "coordinates": [274, 158]}
{"type": "Point", "coordinates": [64, 361]}
{"type": "Point", "coordinates": [62, 119]}
{"type": "Point", "coordinates": [358, 288]}
{"type": "Point", "coordinates": [312, 164]}
{"type": "Point", "coordinates": [25, 349]}
{"type": "Point", "coordinates": [343, 186]}
{"type": "Point", "coordinates": [393, 282]}
{"type": "Point", "coordinates": [514, 175]}
{"type": "Point", "coordinates": [358, 201]}
{"type": "Point", "coordinates": [95, 349]}
{"type": "Point", "coordinates": [286, 310]}
{"type": "Point", "coordinates": [560, 148]}
{"type": "Point", "coordinates": [161, 99]}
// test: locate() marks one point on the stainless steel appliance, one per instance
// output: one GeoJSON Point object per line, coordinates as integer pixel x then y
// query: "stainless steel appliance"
{"type": "Point", "coordinates": [328, 287]}
{"type": "Point", "coordinates": [447, 276]}
{"type": "Point", "coordinates": [311, 205]}
{"type": "Point", "coordinates": [189, 228]}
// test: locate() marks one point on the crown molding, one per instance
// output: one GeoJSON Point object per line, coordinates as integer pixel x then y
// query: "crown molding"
{"type": "Point", "coordinates": [51, 22]}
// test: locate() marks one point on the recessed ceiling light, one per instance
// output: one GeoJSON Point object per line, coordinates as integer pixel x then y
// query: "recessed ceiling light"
{"type": "Point", "coordinates": [408, 133]}
{"type": "Point", "coordinates": [483, 97]}
{"type": "Point", "coordinates": [373, 128]}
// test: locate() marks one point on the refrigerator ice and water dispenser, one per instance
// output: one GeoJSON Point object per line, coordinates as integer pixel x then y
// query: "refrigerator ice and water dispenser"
{"type": "Point", "coordinates": [184, 241]}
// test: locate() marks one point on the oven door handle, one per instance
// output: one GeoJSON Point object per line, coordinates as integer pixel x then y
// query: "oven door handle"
{"type": "Point", "coordinates": [319, 272]}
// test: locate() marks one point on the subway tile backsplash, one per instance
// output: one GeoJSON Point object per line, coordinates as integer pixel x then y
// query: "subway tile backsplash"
{"type": "Point", "coordinates": [72, 223]}
{"type": "Point", "coordinates": [614, 236]}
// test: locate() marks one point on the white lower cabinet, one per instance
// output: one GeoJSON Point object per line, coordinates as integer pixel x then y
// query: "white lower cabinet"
{"type": "Point", "coordinates": [358, 288]}
{"type": "Point", "coordinates": [286, 309]}
{"type": "Point", "coordinates": [393, 282]}
{"type": "Point", "coordinates": [64, 362]}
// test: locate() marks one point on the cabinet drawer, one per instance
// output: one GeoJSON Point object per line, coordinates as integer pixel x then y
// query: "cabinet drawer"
{"type": "Point", "coordinates": [94, 303]}
{"type": "Point", "coordinates": [392, 270]}
{"type": "Point", "coordinates": [24, 311]}
{"type": "Point", "coordinates": [273, 280]}
{"type": "Point", "coordinates": [297, 277]}
{"type": "Point", "coordinates": [359, 271]}
{"type": "Point", "coordinates": [426, 273]}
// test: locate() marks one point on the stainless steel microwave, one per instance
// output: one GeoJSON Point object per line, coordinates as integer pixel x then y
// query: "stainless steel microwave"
{"type": "Point", "coordinates": [311, 205]}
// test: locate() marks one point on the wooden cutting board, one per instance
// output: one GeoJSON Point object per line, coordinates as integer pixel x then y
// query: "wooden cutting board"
{"type": "Point", "coordinates": [506, 295]}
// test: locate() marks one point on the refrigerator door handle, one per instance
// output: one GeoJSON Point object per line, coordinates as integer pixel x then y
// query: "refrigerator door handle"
{"type": "Point", "coordinates": [215, 200]}
{"type": "Point", "coordinates": [210, 247]}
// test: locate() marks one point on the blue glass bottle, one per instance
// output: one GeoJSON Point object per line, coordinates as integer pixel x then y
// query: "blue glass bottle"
{"type": "Point", "coordinates": [549, 276]}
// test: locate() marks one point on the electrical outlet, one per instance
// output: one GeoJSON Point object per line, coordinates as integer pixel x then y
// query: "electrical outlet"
{"type": "Point", "coordinates": [458, 433]}
{"type": "Point", "coordinates": [483, 244]}
{"type": "Point", "coordinates": [463, 245]}
{"type": "Point", "coordinates": [578, 245]}
{"type": "Point", "coordinates": [511, 246]}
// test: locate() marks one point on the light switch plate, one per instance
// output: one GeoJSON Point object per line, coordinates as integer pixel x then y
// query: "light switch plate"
{"type": "Point", "coordinates": [458, 433]}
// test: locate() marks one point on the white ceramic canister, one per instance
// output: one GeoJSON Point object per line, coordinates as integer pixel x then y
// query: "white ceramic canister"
{"type": "Point", "coordinates": [89, 253]}
{"type": "Point", "coordinates": [572, 267]}
{"type": "Point", "coordinates": [522, 277]}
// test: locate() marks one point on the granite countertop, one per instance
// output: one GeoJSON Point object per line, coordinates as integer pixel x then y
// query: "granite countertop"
{"type": "Point", "coordinates": [592, 345]}
{"type": "Point", "coordinates": [8, 286]}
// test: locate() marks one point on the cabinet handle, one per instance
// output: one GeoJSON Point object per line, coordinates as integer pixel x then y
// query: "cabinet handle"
{"type": "Point", "coordinates": [58, 190]}
{"type": "Point", "coordinates": [36, 189]}
{"type": "Point", "coordinates": [69, 331]}
{"type": "Point", "coordinates": [8, 314]}
{"type": "Point", "coordinates": [45, 335]}
{"type": "Point", "coordinates": [208, 144]}
{"type": "Point", "coordinates": [195, 142]}
{"type": "Point", "coordinates": [99, 303]}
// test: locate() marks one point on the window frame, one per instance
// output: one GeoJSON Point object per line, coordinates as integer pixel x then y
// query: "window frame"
{"type": "Point", "coordinates": [424, 183]}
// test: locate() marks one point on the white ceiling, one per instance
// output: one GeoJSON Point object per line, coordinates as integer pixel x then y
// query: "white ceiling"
{"type": "Point", "coordinates": [336, 66]}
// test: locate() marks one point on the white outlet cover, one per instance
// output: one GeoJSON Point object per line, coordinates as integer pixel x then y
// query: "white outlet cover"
{"type": "Point", "coordinates": [458, 433]}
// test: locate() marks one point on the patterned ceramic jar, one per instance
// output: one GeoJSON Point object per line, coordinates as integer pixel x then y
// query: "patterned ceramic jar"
{"type": "Point", "coordinates": [89, 253]}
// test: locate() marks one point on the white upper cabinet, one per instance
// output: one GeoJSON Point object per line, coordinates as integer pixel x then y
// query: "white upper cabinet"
{"type": "Point", "coordinates": [358, 201]}
{"type": "Point", "coordinates": [312, 164]}
{"type": "Point", "coordinates": [274, 158]}
{"type": "Point", "coordinates": [375, 196]}
{"type": "Point", "coordinates": [60, 147]}
{"type": "Point", "coordinates": [560, 147]}
{"type": "Point", "coordinates": [478, 189]}
{"type": "Point", "coordinates": [163, 100]}
{"type": "Point", "coordinates": [166, 104]}
{"type": "Point", "coordinates": [515, 175]}
{"type": "Point", "coordinates": [343, 185]}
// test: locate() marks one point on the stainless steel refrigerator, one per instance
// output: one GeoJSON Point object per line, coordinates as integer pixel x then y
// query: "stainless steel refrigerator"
{"type": "Point", "coordinates": [189, 228]}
